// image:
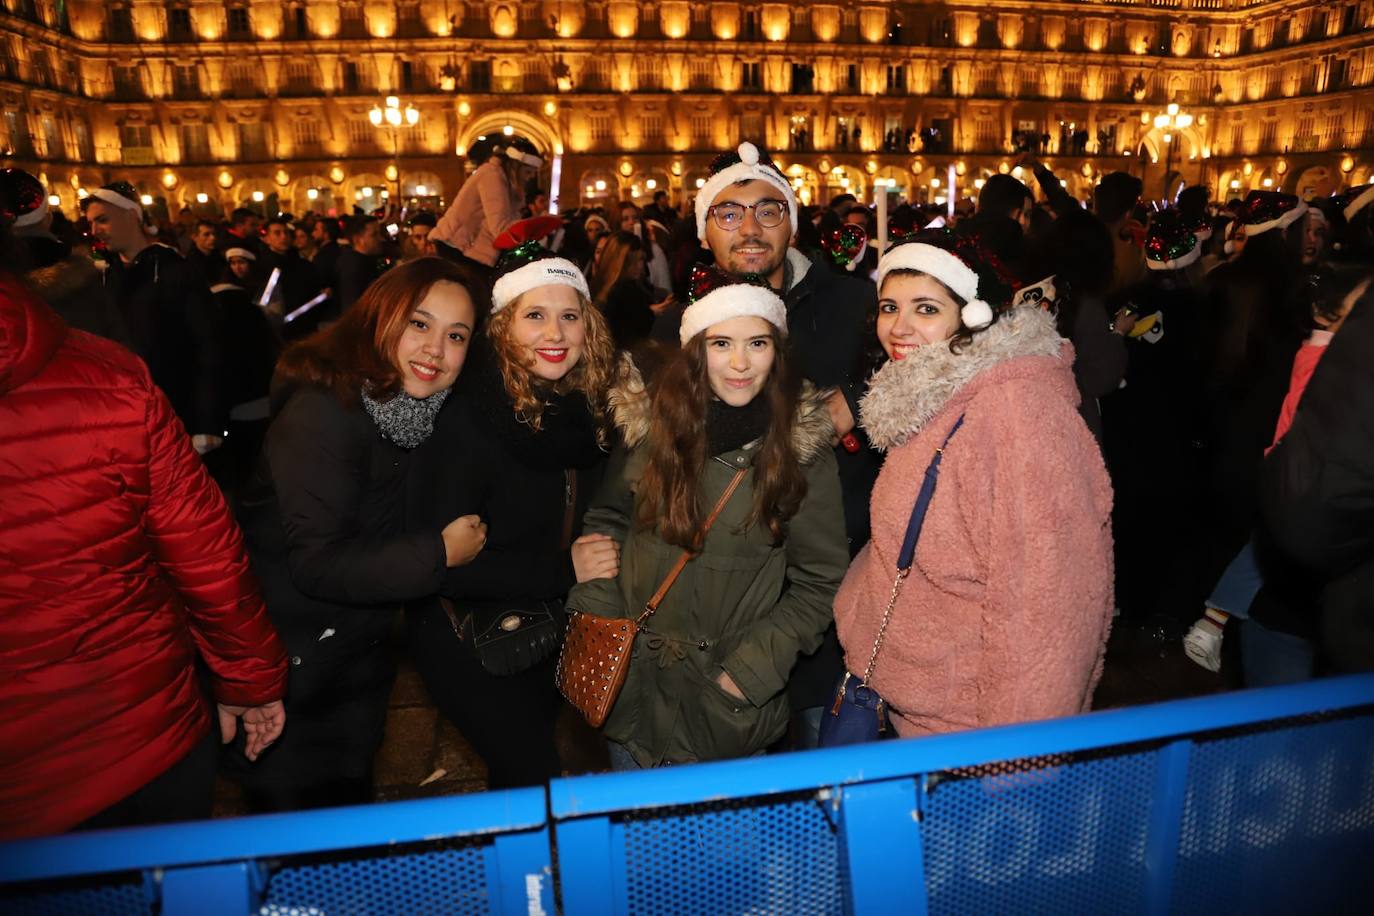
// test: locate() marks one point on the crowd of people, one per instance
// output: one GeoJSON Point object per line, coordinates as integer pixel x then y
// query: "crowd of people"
{"type": "Point", "coordinates": [233, 452]}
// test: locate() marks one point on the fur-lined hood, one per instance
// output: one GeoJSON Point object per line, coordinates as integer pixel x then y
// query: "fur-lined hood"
{"type": "Point", "coordinates": [903, 395]}
{"type": "Point", "coordinates": [71, 276]}
{"type": "Point", "coordinates": [630, 403]}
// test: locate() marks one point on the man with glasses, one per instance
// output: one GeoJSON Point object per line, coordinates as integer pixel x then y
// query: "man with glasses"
{"type": "Point", "coordinates": [747, 216]}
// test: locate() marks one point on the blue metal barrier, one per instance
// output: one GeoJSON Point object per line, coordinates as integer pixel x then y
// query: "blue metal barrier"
{"type": "Point", "coordinates": [1258, 801]}
{"type": "Point", "coordinates": [486, 853]}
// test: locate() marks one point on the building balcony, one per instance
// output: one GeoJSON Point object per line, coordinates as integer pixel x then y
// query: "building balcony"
{"type": "Point", "coordinates": [138, 155]}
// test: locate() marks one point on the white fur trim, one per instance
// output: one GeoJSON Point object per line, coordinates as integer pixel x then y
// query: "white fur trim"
{"type": "Point", "coordinates": [34, 216]}
{"type": "Point", "coordinates": [544, 272]}
{"type": "Point", "coordinates": [745, 170]}
{"type": "Point", "coordinates": [240, 253]}
{"type": "Point", "coordinates": [1359, 203]}
{"type": "Point", "coordinates": [938, 263]}
{"type": "Point", "coordinates": [1282, 222]}
{"type": "Point", "coordinates": [734, 301]}
{"type": "Point", "coordinates": [114, 198]}
{"type": "Point", "coordinates": [527, 158]}
{"type": "Point", "coordinates": [1177, 263]}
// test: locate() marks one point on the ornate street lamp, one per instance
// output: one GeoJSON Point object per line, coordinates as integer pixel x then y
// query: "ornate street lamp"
{"type": "Point", "coordinates": [1171, 120]}
{"type": "Point", "coordinates": [395, 117]}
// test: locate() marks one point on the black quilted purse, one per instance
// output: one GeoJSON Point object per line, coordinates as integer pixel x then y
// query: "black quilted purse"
{"type": "Point", "coordinates": [510, 636]}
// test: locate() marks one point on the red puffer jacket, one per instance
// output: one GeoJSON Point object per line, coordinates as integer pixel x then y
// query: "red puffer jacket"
{"type": "Point", "coordinates": [119, 561]}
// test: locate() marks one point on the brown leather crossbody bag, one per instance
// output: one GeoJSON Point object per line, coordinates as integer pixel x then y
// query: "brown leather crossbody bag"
{"type": "Point", "coordinates": [596, 653]}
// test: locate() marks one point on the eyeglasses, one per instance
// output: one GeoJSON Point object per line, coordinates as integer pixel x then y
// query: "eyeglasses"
{"type": "Point", "coordinates": [768, 213]}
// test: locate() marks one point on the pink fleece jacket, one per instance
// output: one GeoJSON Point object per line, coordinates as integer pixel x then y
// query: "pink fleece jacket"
{"type": "Point", "coordinates": [1005, 616]}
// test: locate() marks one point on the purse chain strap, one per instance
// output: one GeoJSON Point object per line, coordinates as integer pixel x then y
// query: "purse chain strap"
{"type": "Point", "coordinates": [907, 558]}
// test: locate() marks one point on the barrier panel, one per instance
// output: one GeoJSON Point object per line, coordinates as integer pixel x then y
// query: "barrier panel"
{"type": "Point", "coordinates": [486, 853]}
{"type": "Point", "coordinates": [1257, 801]}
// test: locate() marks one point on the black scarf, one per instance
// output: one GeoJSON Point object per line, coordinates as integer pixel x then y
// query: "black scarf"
{"type": "Point", "coordinates": [567, 434]}
{"type": "Point", "coordinates": [405, 420]}
{"type": "Point", "coordinates": [730, 428]}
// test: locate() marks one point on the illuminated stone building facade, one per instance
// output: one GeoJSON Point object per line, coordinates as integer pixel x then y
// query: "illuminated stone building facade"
{"type": "Point", "coordinates": [212, 104]}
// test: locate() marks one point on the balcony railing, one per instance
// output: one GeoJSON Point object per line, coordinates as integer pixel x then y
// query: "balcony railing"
{"type": "Point", "coordinates": [138, 155]}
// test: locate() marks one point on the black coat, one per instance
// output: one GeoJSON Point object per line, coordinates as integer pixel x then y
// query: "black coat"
{"type": "Point", "coordinates": [210, 266]}
{"type": "Point", "coordinates": [354, 273]}
{"type": "Point", "coordinates": [827, 321]}
{"type": "Point", "coordinates": [483, 461]}
{"type": "Point", "coordinates": [173, 325]}
{"type": "Point", "coordinates": [325, 519]}
{"type": "Point", "coordinates": [1317, 492]}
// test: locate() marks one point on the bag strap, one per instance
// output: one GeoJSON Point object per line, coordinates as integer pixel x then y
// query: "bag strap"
{"type": "Point", "coordinates": [907, 556]}
{"type": "Point", "coordinates": [652, 604]}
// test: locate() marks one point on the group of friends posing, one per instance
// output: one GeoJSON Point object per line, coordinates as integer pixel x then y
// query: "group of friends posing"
{"type": "Point", "coordinates": [522, 458]}
{"type": "Point", "coordinates": [451, 442]}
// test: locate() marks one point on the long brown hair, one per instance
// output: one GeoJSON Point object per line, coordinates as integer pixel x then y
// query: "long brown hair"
{"type": "Point", "coordinates": [610, 267]}
{"type": "Point", "coordinates": [359, 349]}
{"type": "Point", "coordinates": [592, 375]}
{"type": "Point", "coordinates": [669, 489]}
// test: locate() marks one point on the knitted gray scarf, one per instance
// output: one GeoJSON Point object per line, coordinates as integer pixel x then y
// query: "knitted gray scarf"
{"type": "Point", "coordinates": [405, 420]}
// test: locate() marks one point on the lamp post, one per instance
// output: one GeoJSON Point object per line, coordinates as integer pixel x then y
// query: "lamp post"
{"type": "Point", "coordinates": [395, 117]}
{"type": "Point", "coordinates": [1171, 120]}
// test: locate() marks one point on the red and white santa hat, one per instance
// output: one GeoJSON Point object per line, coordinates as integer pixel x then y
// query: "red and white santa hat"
{"type": "Point", "coordinates": [716, 296]}
{"type": "Point", "coordinates": [1265, 210]}
{"type": "Point", "coordinates": [962, 263]}
{"type": "Point", "coordinates": [525, 263]}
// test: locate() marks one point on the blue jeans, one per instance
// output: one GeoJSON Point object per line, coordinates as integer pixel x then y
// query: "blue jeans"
{"type": "Point", "coordinates": [1238, 586]}
{"type": "Point", "coordinates": [621, 758]}
{"type": "Point", "coordinates": [1270, 658]}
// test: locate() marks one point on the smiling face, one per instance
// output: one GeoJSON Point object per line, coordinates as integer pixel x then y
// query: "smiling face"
{"type": "Point", "coordinates": [434, 344]}
{"type": "Point", "coordinates": [914, 311]}
{"type": "Point", "coordinates": [548, 330]}
{"type": "Point", "coordinates": [750, 249]}
{"type": "Point", "coordinates": [739, 356]}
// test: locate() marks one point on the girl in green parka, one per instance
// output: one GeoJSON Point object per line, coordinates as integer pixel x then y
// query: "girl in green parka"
{"type": "Point", "coordinates": [708, 675]}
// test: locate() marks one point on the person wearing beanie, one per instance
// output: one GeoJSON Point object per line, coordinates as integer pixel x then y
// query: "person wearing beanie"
{"type": "Point", "coordinates": [708, 677]}
{"type": "Point", "coordinates": [1004, 615]}
{"type": "Point", "coordinates": [487, 205]}
{"type": "Point", "coordinates": [522, 444]}
{"type": "Point", "coordinates": [167, 308]}
{"type": "Point", "coordinates": [746, 214]}
{"type": "Point", "coordinates": [68, 282]}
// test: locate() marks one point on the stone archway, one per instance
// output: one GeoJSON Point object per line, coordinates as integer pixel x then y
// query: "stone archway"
{"type": "Point", "coordinates": [537, 130]}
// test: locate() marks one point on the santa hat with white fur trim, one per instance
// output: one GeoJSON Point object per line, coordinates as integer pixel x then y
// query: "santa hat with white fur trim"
{"type": "Point", "coordinates": [716, 296]}
{"type": "Point", "coordinates": [525, 263]}
{"type": "Point", "coordinates": [23, 201]}
{"type": "Point", "coordinates": [960, 262]}
{"type": "Point", "coordinates": [1265, 210]}
{"type": "Point", "coordinates": [745, 164]}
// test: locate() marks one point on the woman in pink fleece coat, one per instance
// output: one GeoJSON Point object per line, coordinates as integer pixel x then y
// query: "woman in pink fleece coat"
{"type": "Point", "coordinates": [1005, 613]}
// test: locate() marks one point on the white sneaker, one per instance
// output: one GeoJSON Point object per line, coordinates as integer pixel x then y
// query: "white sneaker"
{"type": "Point", "coordinates": [1203, 644]}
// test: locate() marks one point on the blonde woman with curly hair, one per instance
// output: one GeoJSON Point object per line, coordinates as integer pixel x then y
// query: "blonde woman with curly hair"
{"type": "Point", "coordinates": [522, 442]}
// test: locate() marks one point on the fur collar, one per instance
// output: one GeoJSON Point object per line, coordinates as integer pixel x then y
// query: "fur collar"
{"type": "Point", "coordinates": [798, 265]}
{"type": "Point", "coordinates": [71, 276]}
{"type": "Point", "coordinates": [630, 402]}
{"type": "Point", "coordinates": [903, 395]}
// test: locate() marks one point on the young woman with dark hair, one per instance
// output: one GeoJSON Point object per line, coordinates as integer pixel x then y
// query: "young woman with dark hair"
{"type": "Point", "coordinates": [522, 444]}
{"type": "Point", "coordinates": [324, 514]}
{"type": "Point", "coordinates": [1003, 614]}
{"type": "Point", "coordinates": [708, 677]}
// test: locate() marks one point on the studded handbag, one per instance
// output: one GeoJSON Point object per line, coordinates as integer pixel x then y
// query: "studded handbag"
{"type": "Point", "coordinates": [596, 651]}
